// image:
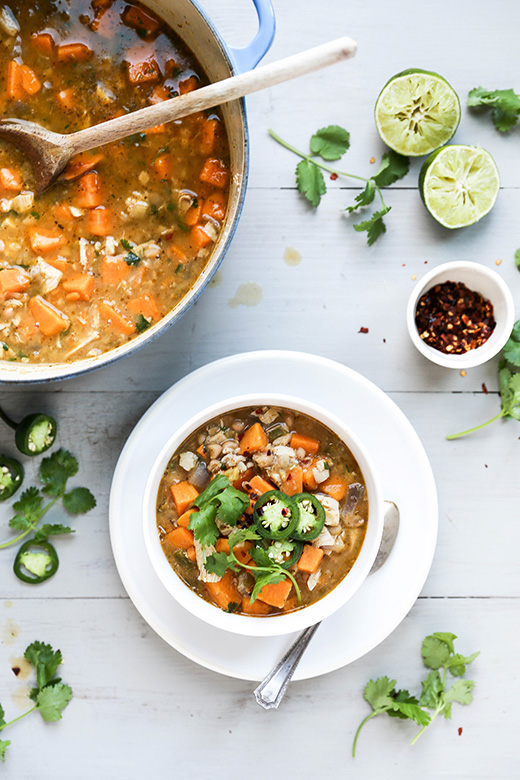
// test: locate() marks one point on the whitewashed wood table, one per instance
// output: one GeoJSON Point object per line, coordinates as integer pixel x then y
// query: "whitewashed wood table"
{"type": "Point", "coordinates": [139, 707]}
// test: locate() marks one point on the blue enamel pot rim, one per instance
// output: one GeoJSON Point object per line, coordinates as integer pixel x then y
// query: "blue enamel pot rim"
{"type": "Point", "coordinates": [237, 60]}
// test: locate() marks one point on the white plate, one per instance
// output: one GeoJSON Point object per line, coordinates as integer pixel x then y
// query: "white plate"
{"type": "Point", "coordinates": [406, 478]}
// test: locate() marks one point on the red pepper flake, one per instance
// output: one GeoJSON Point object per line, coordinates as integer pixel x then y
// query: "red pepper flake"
{"type": "Point", "coordinates": [454, 319]}
{"type": "Point", "coordinates": [459, 730]}
{"type": "Point", "coordinates": [333, 176]}
{"type": "Point", "coordinates": [384, 341]}
{"type": "Point", "coordinates": [484, 388]}
{"type": "Point", "coordinates": [16, 670]}
{"type": "Point", "coordinates": [363, 330]}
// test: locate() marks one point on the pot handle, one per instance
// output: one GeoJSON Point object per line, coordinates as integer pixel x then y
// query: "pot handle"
{"type": "Point", "coordinates": [247, 57]}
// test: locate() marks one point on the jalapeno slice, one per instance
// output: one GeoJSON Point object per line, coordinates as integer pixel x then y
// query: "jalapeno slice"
{"type": "Point", "coordinates": [275, 515]}
{"type": "Point", "coordinates": [312, 517]}
{"type": "Point", "coordinates": [34, 434]}
{"type": "Point", "coordinates": [35, 567]}
{"type": "Point", "coordinates": [285, 552]}
{"type": "Point", "coordinates": [11, 477]}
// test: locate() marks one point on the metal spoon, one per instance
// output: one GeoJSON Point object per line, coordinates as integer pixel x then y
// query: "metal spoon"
{"type": "Point", "coordinates": [271, 690]}
{"type": "Point", "coordinates": [49, 152]}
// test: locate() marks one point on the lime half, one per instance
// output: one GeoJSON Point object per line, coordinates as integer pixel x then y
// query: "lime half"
{"type": "Point", "coordinates": [416, 112]}
{"type": "Point", "coordinates": [459, 185]}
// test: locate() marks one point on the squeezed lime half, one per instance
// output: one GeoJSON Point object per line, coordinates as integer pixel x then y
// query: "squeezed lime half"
{"type": "Point", "coordinates": [459, 185]}
{"type": "Point", "coordinates": [417, 112]}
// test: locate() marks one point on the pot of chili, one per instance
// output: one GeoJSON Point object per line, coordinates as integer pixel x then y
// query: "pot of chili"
{"type": "Point", "coordinates": [80, 294]}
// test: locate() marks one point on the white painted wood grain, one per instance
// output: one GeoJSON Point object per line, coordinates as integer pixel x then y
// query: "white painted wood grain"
{"type": "Point", "coordinates": [140, 708]}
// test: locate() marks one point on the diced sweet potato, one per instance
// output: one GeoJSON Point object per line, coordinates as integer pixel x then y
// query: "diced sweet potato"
{"type": "Point", "coordinates": [183, 494]}
{"type": "Point", "coordinates": [114, 269]}
{"type": "Point", "coordinates": [310, 558]}
{"type": "Point", "coordinates": [254, 439]}
{"type": "Point", "coordinates": [335, 487]}
{"type": "Point", "coordinates": [180, 537]}
{"type": "Point", "coordinates": [224, 592]}
{"type": "Point", "coordinates": [306, 443]}
{"type": "Point", "coordinates": [276, 595]}
{"type": "Point", "coordinates": [116, 319]}
{"type": "Point", "coordinates": [49, 319]}
{"type": "Point", "coordinates": [255, 607]}
{"type": "Point", "coordinates": [293, 482]}
{"type": "Point", "coordinates": [13, 280]}
{"type": "Point", "coordinates": [81, 284]}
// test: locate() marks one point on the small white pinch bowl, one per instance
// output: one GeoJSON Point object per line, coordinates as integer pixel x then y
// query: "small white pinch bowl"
{"type": "Point", "coordinates": [481, 279]}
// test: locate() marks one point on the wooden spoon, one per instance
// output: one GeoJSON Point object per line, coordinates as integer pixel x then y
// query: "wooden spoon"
{"type": "Point", "coordinates": [50, 152]}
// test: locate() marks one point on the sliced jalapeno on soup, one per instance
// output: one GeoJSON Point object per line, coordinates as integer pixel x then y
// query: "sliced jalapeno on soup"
{"type": "Point", "coordinates": [311, 519]}
{"type": "Point", "coordinates": [285, 552]}
{"type": "Point", "coordinates": [275, 515]}
{"type": "Point", "coordinates": [35, 567]}
{"type": "Point", "coordinates": [11, 476]}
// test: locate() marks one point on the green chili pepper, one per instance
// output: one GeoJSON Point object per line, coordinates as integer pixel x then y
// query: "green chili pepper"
{"type": "Point", "coordinates": [312, 517]}
{"type": "Point", "coordinates": [36, 567]}
{"type": "Point", "coordinates": [285, 552]}
{"type": "Point", "coordinates": [34, 434]}
{"type": "Point", "coordinates": [275, 515]}
{"type": "Point", "coordinates": [11, 476]}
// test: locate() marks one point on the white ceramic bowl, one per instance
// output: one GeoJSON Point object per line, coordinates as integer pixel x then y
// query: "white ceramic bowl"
{"type": "Point", "coordinates": [278, 624]}
{"type": "Point", "coordinates": [481, 279]}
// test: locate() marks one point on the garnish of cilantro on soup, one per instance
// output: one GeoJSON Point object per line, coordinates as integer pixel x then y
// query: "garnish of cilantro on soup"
{"type": "Point", "coordinates": [123, 235]}
{"type": "Point", "coordinates": [262, 511]}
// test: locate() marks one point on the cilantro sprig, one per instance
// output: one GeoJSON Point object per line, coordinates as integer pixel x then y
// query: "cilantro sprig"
{"type": "Point", "coordinates": [331, 143]}
{"type": "Point", "coordinates": [50, 695]}
{"type": "Point", "coordinates": [30, 509]}
{"type": "Point", "coordinates": [219, 501]}
{"type": "Point", "coordinates": [509, 383]}
{"type": "Point", "coordinates": [265, 571]}
{"type": "Point", "coordinates": [438, 654]}
{"type": "Point", "coordinates": [505, 105]}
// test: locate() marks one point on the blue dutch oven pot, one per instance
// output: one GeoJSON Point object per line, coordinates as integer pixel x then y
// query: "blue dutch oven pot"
{"type": "Point", "coordinates": [219, 61]}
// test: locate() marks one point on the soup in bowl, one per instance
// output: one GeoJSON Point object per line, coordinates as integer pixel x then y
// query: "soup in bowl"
{"type": "Point", "coordinates": [262, 514]}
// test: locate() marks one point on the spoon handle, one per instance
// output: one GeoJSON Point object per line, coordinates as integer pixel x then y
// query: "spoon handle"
{"type": "Point", "coordinates": [271, 690]}
{"type": "Point", "coordinates": [213, 95]}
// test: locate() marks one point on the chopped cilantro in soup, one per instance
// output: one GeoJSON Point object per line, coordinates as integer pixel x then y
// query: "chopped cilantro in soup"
{"type": "Point", "coordinates": [262, 511]}
{"type": "Point", "coordinates": [127, 230]}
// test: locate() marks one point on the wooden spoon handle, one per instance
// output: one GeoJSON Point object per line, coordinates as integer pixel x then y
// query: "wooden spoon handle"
{"type": "Point", "coordinates": [213, 95]}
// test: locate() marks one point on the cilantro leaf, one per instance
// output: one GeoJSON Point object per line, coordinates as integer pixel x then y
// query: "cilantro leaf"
{"type": "Point", "coordinates": [203, 525]}
{"type": "Point", "coordinates": [55, 529]}
{"type": "Point", "coordinates": [310, 181]}
{"type": "Point", "coordinates": [460, 691]}
{"type": "Point", "coordinates": [28, 505]}
{"type": "Point", "coordinates": [505, 104]}
{"type": "Point", "coordinates": [126, 244]}
{"type": "Point", "coordinates": [401, 697]}
{"type": "Point", "coordinates": [413, 712]}
{"type": "Point", "coordinates": [509, 392]}
{"type": "Point", "coordinates": [215, 487]}
{"type": "Point", "coordinates": [374, 226]}
{"type": "Point", "coordinates": [517, 259]}
{"type": "Point", "coordinates": [330, 142]}
{"type": "Point", "coordinates": [141, 323]}
{"type": "Point", "coordinates": [4, 744]}
{"type": "Point", "coordinates": [132, 258]}
{"type": "Point", "coordinates": [457, 663]}
{"type": "Point", "coordinates": [393, 167]}
{"type": "Point", "coordinates": [511, 351]}
{"type": "Point", "coordinates": [78, 501]}
{"type": "Point", "coordinates": [432, 689]}
{"type": "Point", "coordinates": [19, 523]}
{"type": "Point", "coordinates": [56, 470]}
{"type": "Point", "coordinates": [217, 563]}
{"type": "Point", "coordinates": [45, 660]}
{"type": "Point", "coordinates": [232, 505]}
{"type": "Point", "coordinates": [52, 700]}
{"type": "Point", "coordinates": [243, 535]}
{"type": "Point", "coordinates": [378, 693]}
{"type": "Point", "coordinates": [260, 557]}
{"type": "Point", "coordinates": [435, 651]}
{"type": "Point", "coordinates": [2, 718]}
{"type": "Point", "coordinates": [365, 198]}
{"type": "Point", "coordinates": [266, 578]}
